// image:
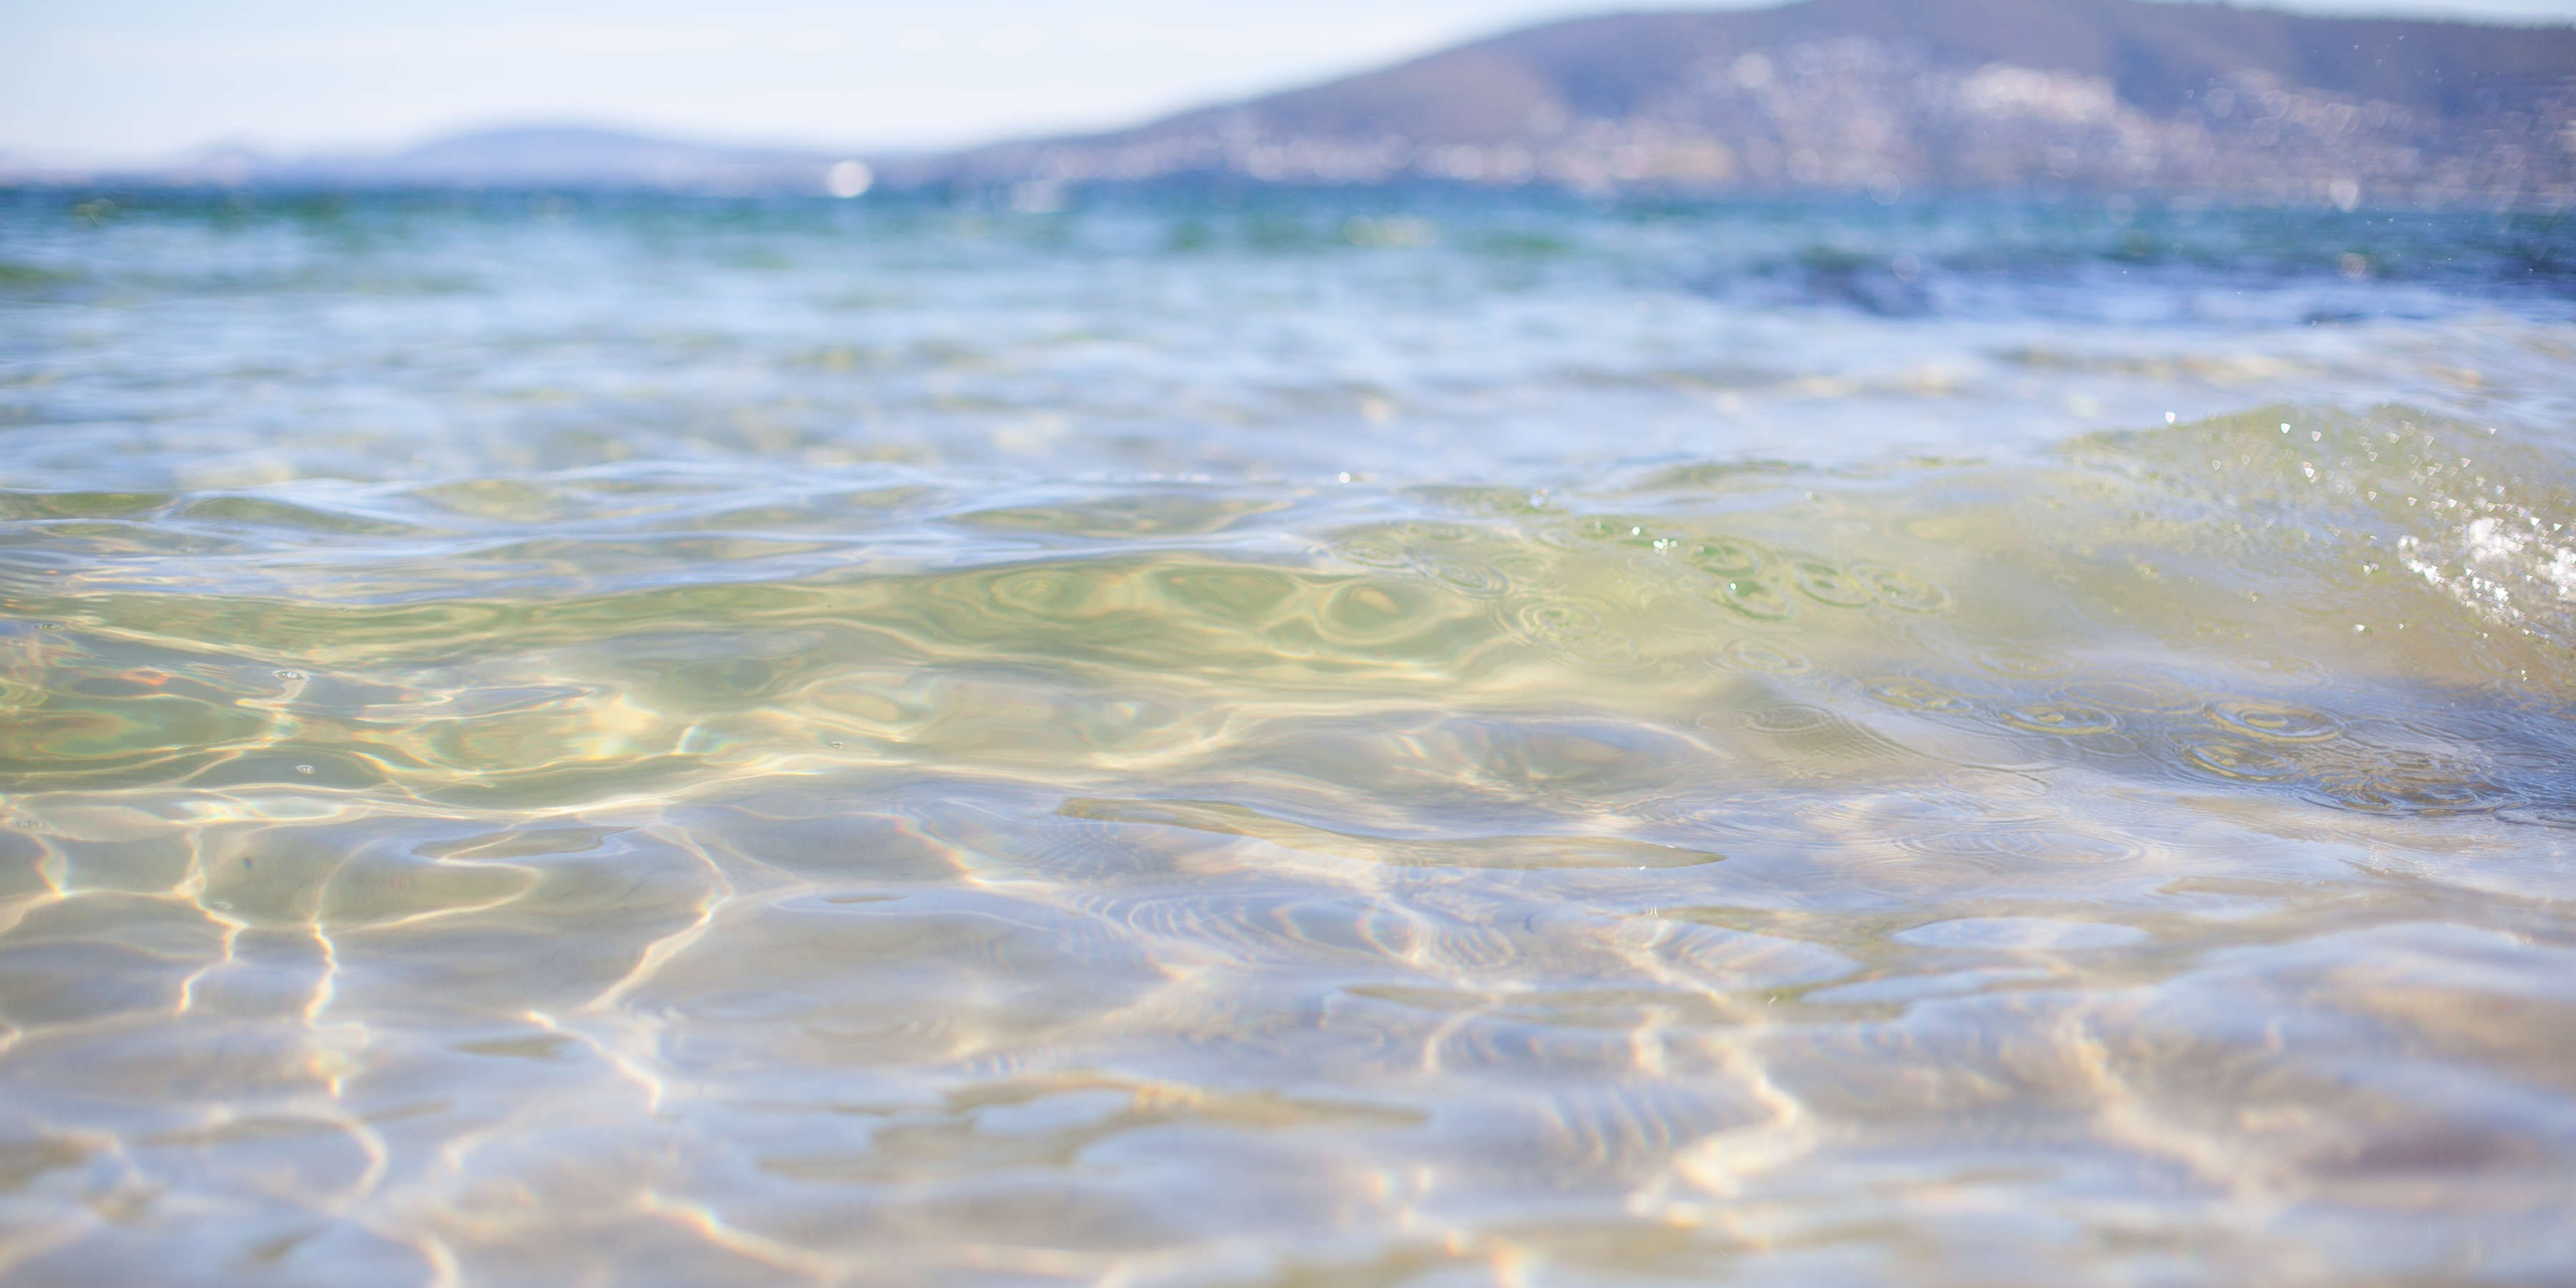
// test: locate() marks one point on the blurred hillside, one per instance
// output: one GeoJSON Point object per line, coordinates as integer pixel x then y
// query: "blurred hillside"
{"type": "Point", "coordinates": [1886, 97]}
{"type": "Point", "coordinates": [1893, 96]}
{"type": "Point", "coordinates": [536, 156]}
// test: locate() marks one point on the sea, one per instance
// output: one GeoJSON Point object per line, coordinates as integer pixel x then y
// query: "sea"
{"type": "Point", "coordinates": [1225, 736]}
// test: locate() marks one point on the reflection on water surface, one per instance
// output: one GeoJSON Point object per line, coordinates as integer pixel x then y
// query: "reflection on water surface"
{"type": "Point", "coordinates": [707, 744]}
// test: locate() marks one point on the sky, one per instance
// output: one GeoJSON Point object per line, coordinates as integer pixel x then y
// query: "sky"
{"type": "Point", "coordinates": [88, 81]}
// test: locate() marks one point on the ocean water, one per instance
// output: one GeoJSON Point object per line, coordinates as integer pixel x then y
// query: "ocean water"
{"type": "Point", "coordinates": [1223, 738]}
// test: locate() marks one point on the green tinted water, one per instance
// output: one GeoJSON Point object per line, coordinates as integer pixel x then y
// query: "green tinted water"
{"type": "Point", "coordinates": [495, 794]}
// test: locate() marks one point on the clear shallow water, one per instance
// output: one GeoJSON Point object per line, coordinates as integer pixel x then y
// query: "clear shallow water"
{"type": "Point", "coordinates": [1364, 740]}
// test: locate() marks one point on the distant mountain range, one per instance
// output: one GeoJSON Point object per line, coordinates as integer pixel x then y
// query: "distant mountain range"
{"type": "Point", "coordinates": [1905, 95]}
{"type": "Point", "coordinates": [1877, 96]}
{"type": "Point", "coordinates": [522, 156]}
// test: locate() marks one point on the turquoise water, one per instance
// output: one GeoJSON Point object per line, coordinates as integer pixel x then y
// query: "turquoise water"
{"type": "Point", "coordinates": [1222, 738]}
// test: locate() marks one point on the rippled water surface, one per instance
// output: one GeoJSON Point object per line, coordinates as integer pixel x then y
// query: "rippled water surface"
{"type": "Point", "coordinates": [1203, 739]}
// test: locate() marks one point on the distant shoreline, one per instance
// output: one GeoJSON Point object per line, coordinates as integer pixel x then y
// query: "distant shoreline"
{"type": "Point", "coordinates": [2106, 98]}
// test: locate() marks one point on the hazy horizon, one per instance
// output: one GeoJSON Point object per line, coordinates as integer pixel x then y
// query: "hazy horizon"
{"type": "Point", "coordinates": [140, 80]}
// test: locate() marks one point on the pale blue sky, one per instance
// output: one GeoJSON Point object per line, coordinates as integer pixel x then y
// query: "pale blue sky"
{"type": "Point", "coordinates": [88, 80]}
